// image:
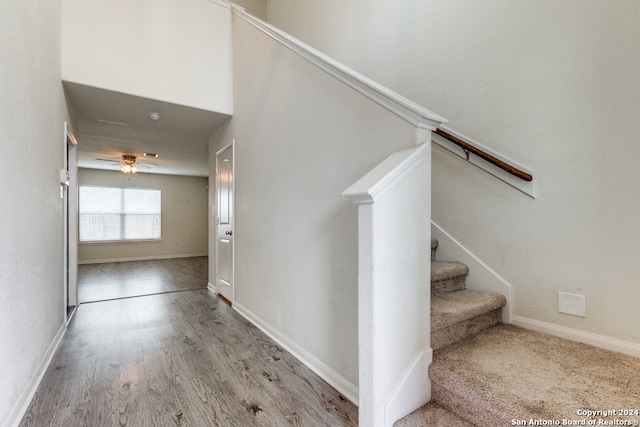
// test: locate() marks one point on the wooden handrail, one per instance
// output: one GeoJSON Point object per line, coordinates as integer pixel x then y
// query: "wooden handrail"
{"type": "Point", "coordinates": [468, 148]}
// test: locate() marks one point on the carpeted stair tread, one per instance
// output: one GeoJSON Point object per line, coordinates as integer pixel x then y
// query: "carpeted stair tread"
{"type": "Point", "coordinates": [455, 307]}
{"type": "Point", "coordinates": [462, 330]}
{"type": "Point", "coordinates": [434, 246]}
{"type": "Point", "coordinates": [447, 269]}
{"type": "Point", "coordinates": [447, 276]}
{"type": "Point", "coordinates": [432, 415]}
{"type": "Point", "coordinates": [508, 373]}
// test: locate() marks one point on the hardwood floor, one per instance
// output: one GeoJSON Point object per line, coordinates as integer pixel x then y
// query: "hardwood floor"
{"type": "Point", "coordinates": [178, 359]}
{"type": "Point", "coordinates": [101, 282]}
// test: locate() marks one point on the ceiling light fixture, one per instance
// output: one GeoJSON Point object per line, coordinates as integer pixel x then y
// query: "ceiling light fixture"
{"type": "Point", "coordinates": [154, 116]}
{"type": "Point", "coordinates": [129, 164]}
{"type": "Point", "coordinates": [155, 155]}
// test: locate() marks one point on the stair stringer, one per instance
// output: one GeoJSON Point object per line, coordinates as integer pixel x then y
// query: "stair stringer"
{"type": "Point", "coordinates": [413, 390]}
{"type": "Point", "coordinates": [481, 277]}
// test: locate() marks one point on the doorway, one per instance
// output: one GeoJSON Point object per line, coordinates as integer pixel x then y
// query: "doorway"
{"type": "Point", "coordinates": [69, 192]}
{"type": "Point", "coordinates": [224, 223]}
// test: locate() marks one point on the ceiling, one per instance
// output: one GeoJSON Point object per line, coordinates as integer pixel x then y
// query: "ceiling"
{"type": "Point", "coordinates": [110, 124]}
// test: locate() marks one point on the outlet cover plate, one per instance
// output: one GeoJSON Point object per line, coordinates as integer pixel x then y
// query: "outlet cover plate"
{"type": "Point", "coordinates": [572, 304]}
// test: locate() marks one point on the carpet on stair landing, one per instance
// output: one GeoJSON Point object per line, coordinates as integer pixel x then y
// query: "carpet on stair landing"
{"type": "Point", "coordinates": [508, 374]}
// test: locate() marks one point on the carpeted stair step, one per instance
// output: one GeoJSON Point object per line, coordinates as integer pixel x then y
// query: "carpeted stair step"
{"type": "Point", "coordinates": [432, 415]}
{"type": "Point", "coordinates": [447, 276]}
{"type": "Point", "coordinates": [457, 315]}
{"type": "Point", "coordinates": [508, 373]}
{"type": "Point", "coordinates": [434, 247]}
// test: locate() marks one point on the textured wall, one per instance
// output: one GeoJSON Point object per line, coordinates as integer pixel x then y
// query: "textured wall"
{"type": "Point", "coordinates": [257, 8]}
{"type": "Point", "coordinates": [302, 138]}
{"type": "Point", "coordinates": [184, 216]}
{"type": "Point", "coordinates": [177, 51]}
{"type": "Point", "coordinates": [32, 112]}
{"type": "Point", "coordinates": [550, 84]}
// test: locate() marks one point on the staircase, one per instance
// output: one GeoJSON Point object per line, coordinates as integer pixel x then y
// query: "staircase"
{"type": "Point", "coordinates": [457, 312]}
{"type": "Point", "coordinates": [487, 374]}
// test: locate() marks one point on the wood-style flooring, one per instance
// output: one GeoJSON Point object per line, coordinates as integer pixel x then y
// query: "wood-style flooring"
{"type": "Point", "coordinates": [101, 282]}
{"type": "Point", "coordinates": [182, 358]}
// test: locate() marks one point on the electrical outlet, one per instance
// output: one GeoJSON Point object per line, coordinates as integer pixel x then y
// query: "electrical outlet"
{"type": "Point", "coordinates": [572, 304]}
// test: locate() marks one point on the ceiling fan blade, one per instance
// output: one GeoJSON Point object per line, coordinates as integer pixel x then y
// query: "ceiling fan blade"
{"type": "Point", "coordinates": [109, 160]}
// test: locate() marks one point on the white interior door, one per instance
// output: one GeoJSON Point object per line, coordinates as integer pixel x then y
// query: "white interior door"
{"type": "Point", "coordinates": [224, 238]}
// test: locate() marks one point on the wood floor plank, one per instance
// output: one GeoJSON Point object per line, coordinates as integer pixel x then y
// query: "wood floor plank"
{"type": "Point", "coordinates": [114, 280]}
{"type": "Point", "coordinates": [178, 359]}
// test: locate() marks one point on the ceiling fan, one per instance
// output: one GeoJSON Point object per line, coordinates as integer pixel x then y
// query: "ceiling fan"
{"type": "Point", "coordinates": [129, 164]}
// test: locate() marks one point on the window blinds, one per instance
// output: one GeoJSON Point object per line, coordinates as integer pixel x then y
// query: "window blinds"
{"type": "Point", "coordinates": [119, 214]}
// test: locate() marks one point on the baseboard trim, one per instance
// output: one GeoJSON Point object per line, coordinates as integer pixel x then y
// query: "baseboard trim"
{"type": "Point", "coordinates": [140, 258]}
{"type": "Point", "coordinates": [608, 343]}
{"type": "Point", "coordinates": [329, 375]}
{"type": "Point", "coordinates": [212, 288]}
{"type": "Point", "coordinates": [25, 400]}
{"type": "Point", "coordinates": [225, 299]}
{"type": "Point", "coordinates": [414, 390]}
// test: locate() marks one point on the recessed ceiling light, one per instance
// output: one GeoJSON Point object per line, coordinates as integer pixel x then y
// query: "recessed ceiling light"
{"type": "Point", "coordinates": [154, 116]}
{"type": "Point", "coordinates": [151, 155]}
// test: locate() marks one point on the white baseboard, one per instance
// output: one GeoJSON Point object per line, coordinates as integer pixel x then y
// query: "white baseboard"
{"type": "Point", "coordinates": [212, 287]}
{"type": "Point", "coordinates": [25, 399]}
{"type": "Point", "coordinates": [337, 381]}
{"type": "Point", "coordinates": [481, 276]}
{"type": "Point", "coordinates": [613, 344]}
{"type": "Point", "coordinates": [414, 390]}
{"type": "Point", "coordinates": [140, 258]}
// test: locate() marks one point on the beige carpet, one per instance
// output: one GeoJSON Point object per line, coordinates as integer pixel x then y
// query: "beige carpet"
{"type": "Point", "coordinates": [447, 276]}
{"type": "Point", "coordinates": [506, 376]}
{"type": "Point", "coordinates": [456, 315]}
{"type": "Point", "coordinates": [508, 373]}
{"type": "Point", "coordinates": [432, 415]}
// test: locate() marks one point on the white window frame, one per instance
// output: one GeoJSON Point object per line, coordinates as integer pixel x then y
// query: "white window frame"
{"type": "Point", "coordinates": [122, 213]}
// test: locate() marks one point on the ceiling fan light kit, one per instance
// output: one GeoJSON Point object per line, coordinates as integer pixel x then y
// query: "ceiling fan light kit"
{"type": "Point", "coordinates": [129, 164]}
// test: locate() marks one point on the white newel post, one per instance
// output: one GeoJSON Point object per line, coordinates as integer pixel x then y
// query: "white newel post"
{"type": "Point", "coordinates": [394, 214]}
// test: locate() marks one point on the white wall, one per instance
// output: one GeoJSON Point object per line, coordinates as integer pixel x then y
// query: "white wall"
{"type": "Point", "coordinates": [184, 217]}
{"type": "Point", "coordinates": [550, 84]}
{"type": "Point", "coordinates": [32, 112]}
{"type": "Point", "coordinates": [301, 139]}
{"type": "Point", "coordinates": [257, 8]}
{"type": "Point", "coordinates": [177, 51]}
{"type": "Point", "coordinates": [393, 315]}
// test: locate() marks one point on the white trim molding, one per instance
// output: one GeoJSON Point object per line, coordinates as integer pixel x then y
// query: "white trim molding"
{"type": "Point", "coordinates": [607, 343]}
{"type": "Point", "coordinates": [25, 399]}
{"type": "Point", "coordinates": [337, 381]}
{"type": "Point", "coordinates": [411, 393]}
{"type": "Point", "coordinates": [375, 183]}
{"type": "Point", "coordinates": [223, 3]}
{"type": "Point", "coordinates": [397, 104]}
{"type": "Point", "coordinates": [481, 277]}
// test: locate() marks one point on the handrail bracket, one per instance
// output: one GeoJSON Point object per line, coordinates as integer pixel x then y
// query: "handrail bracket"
{"type": "Point", "coordinates": [468, 148]}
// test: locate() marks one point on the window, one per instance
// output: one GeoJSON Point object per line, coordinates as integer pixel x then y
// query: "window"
{"type": "Point", "coordinates": [109, 214]}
